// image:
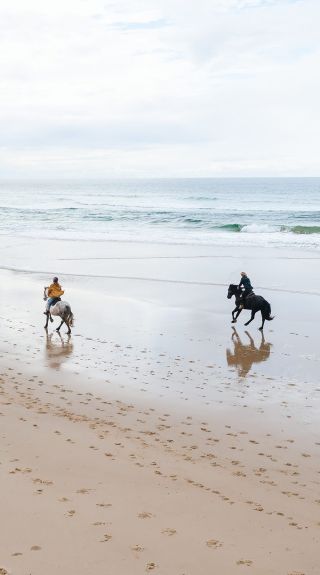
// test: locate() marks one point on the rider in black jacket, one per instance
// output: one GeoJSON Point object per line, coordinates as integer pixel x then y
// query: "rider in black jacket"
{"type": "Point", "coordinates": [245, 283]}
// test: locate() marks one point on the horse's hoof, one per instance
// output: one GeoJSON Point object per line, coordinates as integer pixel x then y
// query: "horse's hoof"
{"type": "Point", "coordinates": [260, 328]}
{"type": "Point", "coordinates": [51, 320]}
{"type": "Point", "coordinates": [234, 321]}
{"type": "Point", "coordinates": [58, 330]}
{"type": "Point", "coordinates": [246, 324]}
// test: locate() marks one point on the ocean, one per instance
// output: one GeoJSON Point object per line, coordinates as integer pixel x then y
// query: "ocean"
{"type": "Point", "coordinates": [273, 212]}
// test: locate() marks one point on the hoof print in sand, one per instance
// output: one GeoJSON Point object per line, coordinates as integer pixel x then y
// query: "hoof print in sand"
{"type": "Point", "coordinates": [213, 543]}
{"type": "Point", "coordinates": [150, 566]}
{"type": "Point", "coordinates": [98, 523]}
{"type": "Point", "coordinates": [137, 548]}
{"type": "Point", "coordinates": [144, 515]}
{"type": "Point", "coordinates": [106, 537]}
{"type": "Point", "coordinates": [169, 531]}
{"type": "Point", "coordinates": [71, 513]}
{"type": "Point", "coordinates": [35, 548]}
{"type": "Point", "coordinates": [246, 562]}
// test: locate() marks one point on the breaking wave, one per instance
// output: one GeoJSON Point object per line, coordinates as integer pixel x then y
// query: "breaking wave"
{"type": "Point", "coordinates": [224, 211]}
{"type": "Point", "coordinates": [267, 229]}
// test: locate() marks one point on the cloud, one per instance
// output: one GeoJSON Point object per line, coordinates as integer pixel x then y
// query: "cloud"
{"type": "Point", "coordinates": [147, 25]}
{"type": "Point", "coordinates": [161, 87]}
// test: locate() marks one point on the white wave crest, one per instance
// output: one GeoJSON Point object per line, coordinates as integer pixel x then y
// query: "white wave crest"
{"type": "Point", "coordinates": [260, 229]}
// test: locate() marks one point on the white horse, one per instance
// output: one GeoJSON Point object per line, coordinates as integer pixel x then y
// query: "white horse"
{"type": "Point", "coordinates": [61, 309]}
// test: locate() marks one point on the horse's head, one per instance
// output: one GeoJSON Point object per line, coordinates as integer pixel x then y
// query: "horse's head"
{"type": "Point", "coordinates": [232, 290]}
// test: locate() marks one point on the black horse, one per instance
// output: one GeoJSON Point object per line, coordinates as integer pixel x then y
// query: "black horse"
{"type": "Point", "coordinates": [253, 302]}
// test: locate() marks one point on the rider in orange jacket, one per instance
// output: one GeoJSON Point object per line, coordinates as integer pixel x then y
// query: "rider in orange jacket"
{"type": "Point", "coordinates": [54, 293]}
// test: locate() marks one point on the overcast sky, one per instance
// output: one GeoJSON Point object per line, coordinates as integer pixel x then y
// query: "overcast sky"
{"type": "Point", "coordinates": [133, 88]}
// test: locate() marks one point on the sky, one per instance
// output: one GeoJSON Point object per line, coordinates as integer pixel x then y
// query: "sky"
{"type": "Point", "coordinates": [159, 88]}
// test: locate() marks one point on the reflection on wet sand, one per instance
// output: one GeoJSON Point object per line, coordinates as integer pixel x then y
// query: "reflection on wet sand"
{"type": "Point", "coordinates": [244, 355]}
{"type": "Point", "coordinates": [58, 349]}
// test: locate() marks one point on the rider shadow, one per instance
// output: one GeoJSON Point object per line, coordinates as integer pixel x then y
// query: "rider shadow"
{"type": "Point", "coordinates": [245, 355]}
{"type": "Point", "coordinates": [58, 349]}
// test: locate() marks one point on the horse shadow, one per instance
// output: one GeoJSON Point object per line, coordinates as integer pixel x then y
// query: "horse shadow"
{"type": "Point", "coordinates": [58, 349]}
{"type": "Point", "coordinates": [245, 355]}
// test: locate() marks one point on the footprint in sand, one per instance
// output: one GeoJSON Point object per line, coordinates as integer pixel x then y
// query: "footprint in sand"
{"type": "Point", "coordinates": [169, 531]}
{"type": "Point", "coordinates": [247, 562]}
{"type": "Point", "coordinates": [144, 515]}
{"type": "Point", "coordinates": [150, 566]}
{"type": "Point", "coordinates": [42, 481]}
{"type": "Point", "coordinates": [137, 548]}
{"type": "Point", "coordinates": [3, 571]}
{"type": "Point", "coordinates": [35, 548]}
{"type": "Point", "coordinates": [70, 513]}
{"type": "Point", "coordinates": [106, 537]}
{"type": "Point", "coordinates": [213, 543]}
{"type": "Point", "coordinates": [97, 523]}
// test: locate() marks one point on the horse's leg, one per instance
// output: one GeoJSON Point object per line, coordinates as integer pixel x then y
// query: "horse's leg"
{"type": "Point", "coordinates": [253, 313]}
{"type": "Point", "coordinates": [68, 326]}
{"type": "Point", "coordinates": [233, 312]}
{"type": "Point", "coordinates": [46, 326]}
{"type": "Point", "coordinates": [237, 314]}
{"type": "Point", "coordinates": [50, 316]}
{"type": "Point", "coordinates": [263, 320]}
{"type": "Point", "coordinates": [58, 328]}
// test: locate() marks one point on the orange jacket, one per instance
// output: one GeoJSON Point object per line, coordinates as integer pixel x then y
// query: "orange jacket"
{"type": "Point", "coordinates": [55, 290]}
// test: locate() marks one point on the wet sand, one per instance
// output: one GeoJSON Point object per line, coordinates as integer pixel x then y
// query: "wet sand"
{"type": "Point", "coordinates": [157, 438]}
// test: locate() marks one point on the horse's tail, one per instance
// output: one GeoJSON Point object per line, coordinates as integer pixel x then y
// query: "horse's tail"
{"type": "Point", "coordinates": [71, 319]}
{"type": "Point", "coordinates": [267, 312]}
{"type": "Point", "coordinates": [69, 315]}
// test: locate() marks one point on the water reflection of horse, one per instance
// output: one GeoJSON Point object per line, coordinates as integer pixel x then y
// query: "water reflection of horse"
{"type": "Point", "coordinates": [244, 355]}
{"type": "Point", "coordinates": [58, 349]}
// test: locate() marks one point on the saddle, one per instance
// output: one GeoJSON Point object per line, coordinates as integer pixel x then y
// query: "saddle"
{"type": "Point", "coordinates": [250, 295]}
{"type": "Point", "coordinates": [55, 308]}
{"type": "Point", "coordinates": [247, 297]}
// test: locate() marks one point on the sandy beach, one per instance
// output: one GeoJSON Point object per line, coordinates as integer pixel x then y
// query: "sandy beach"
{"type": "Point", "coordinates": [157, 437]}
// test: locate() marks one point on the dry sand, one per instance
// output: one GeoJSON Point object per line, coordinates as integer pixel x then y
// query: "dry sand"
{"type": "Point", "coordinates": [178, 446]}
